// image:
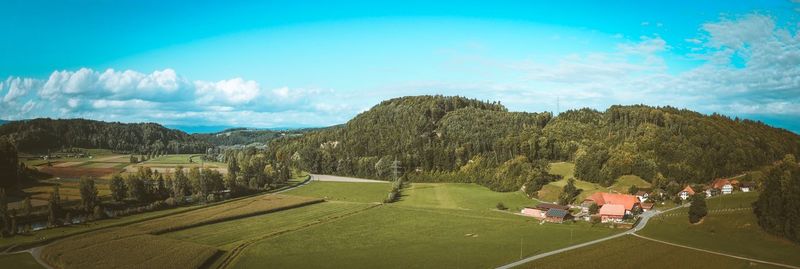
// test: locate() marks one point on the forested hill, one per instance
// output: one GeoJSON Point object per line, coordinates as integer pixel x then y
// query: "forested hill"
{"type": "Point", "coordinates": [439, 138]}
{"type": "Point", "coordinates": [48, 134]}
{"type": "Point", "coordinates": [244, 136]}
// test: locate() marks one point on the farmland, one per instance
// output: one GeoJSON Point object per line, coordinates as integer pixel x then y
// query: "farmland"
{"type": "Point", "coordinates": [631, 252]}
{"type": "Point", "coordinates": [142, 247]}
{"type": "Point", "coordinates": [345, 191]}
{"type": "Point", "coordinates": [19, 261]}
{"type": "Point", "coordinates": [730, 227]}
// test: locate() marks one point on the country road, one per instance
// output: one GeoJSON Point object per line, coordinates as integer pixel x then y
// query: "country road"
{"type": "Point", "coordinates": [344, 179]}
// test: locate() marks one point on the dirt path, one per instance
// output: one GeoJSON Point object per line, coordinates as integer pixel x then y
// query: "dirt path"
{"type": "Point", "coordinates": [344, 179]}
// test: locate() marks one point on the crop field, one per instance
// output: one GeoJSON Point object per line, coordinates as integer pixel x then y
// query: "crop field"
{"type": "Point", "coordinates": [19, 261]}
{"type": "Point", "coordinates": [236, 209]}
{"type": "Point", "coordinates": [730, 227]}
{"type": "Point", "coordinates": [345, 191]}
{"type": "Point", "coordinates": [68, 189]}
{"type": "Point", "coordinates": [129, 249]}
{"type": "Point", "coordinates": [136, 245]}
{"type": "Point", "coordinates": [632, 252]}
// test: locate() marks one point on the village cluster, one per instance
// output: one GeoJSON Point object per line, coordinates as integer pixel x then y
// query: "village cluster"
{"type": "Point", "coordinates": [622, 208]}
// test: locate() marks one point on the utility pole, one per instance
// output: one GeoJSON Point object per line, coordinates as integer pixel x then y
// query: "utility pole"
{"type": "Point", "coordinates": [520, 247]}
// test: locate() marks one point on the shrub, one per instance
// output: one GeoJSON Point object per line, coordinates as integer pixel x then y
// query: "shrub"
{"type": "Point", "coordinates": [501, 206]}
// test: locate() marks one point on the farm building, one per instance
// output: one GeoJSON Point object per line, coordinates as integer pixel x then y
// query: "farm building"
{"type": "Point", "coordinates": [642, 195]}
{"type": "Point", "coordinates": [686, 192]}
{"type": "Point", "coordinates": [628, 202]}
{"type": "Point", "coordinates": [612, 213]}
{"type": "Point", "coordinates": [540, 210]}
{"type": "Point", "coordinates": [646, 206]}
{"type": "Point", "coordinates": [556, 215]}
{"type": "Point", "coordinates": [723, 185]}
{"type": "Point", "coordinates": [746, 186]}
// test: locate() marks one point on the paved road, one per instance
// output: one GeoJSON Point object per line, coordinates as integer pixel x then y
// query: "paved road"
{"type": "Point", "coordinates": [344, 179]}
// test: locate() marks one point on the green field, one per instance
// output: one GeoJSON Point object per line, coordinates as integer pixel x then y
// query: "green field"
{"type": "Point", "coordinates": [461, 196]}
{"type": "Point", "coordinates": [632, 252]}
{"type": "Point", "coordinates": [730, 227]}
{"type": "Point", "coordinates": [344, 191]}
{"type": "Point", "coordinates": [551, 191]}
{"type": "Point", "coordinates": [19, 261]}
{"type": "Point", "coordinates": [395, 236]}
{"type": "Point", "coordinates": [175, 159]}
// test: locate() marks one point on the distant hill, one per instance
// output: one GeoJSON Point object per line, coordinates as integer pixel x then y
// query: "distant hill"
{"type": "Point", "coordinates": [439, 138]}
{"type": "Point", "coordinates": [48, 134]}
{"type": "Point", "coordinates": [245, 136]}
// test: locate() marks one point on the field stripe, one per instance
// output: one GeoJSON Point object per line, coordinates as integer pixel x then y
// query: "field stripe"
{"type": "Point", "coordinates": [718, 253]}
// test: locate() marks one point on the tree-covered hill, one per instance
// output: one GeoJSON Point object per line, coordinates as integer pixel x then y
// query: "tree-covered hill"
{"type": "Point", "coordinates": [438, 138]}
{"type": "Point", "coordinates": [40, 135]}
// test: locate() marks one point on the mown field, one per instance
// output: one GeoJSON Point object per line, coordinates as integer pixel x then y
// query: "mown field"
{"type": "Point", "coordinates": [345, 191]}
{"type": "Point", "coordinates": [632, 252]}
{"type": "Point", "coordinates": [136, 246]}
{"type": "Point", "coordinates": [19, 261]}
{"type": "Point", "coordinates": [461, 196]}
{"type": "Point", "coordinates": [551, 191]}
{"type": "Point", "coordinates": [730, 227]}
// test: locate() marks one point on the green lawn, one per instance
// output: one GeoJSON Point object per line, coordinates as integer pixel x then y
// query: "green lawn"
{"type": "Point", "coordinates": [733, 231]}
{"type": "Point", "coordinates": [344, 191]}
{"type": "Point", "coordinates": [396, 236]}
{"type": "Point", "coordinates": [632, 252]}
{"type": "Point", "coordinates": [175, 159]}
{"type": "Point", "coordinates": [461, 196]}
{"type": "Point", "coordinates": [564, 169]}
{"type": "Point", "coordinates": [19, 261]}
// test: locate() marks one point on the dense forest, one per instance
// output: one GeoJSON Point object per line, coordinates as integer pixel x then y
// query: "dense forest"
{"type": "Point", "coordinates": [778, 205]}
{"type": "Point", "coordinates": [40, 135]}
{"type": "Point", "coordinates": [244, 136]}
{"type": "Point", "coordinates": [455, 139]}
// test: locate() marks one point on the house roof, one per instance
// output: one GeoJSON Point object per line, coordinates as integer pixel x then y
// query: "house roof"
{"type": "Point", "coordinates": [555, 212]}
{"type": "Point", "coordinates": [747, 185]}
{"type": "Point", "coordinates": [719, 183]}
{"type": "Point", "coordinates": [546, 206]}
{"type": "Point", "coordinates": [647, 205]}
{"type": "Point", "coordinates": [642, 193]}
{"type": "Point", "coordinates": [602, 198]}
{"type": "Point", "coordinates": [612, 210]}
{"type": "Point", "coordinates": [688, 190]}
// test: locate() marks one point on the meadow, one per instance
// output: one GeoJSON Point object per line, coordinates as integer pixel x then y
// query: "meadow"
{"type": "Point", "coordinates": [566, 170]}
{"type": "Point", "coordinates": [345, 191]}
{"type": "Point", "coordinates": [632, 252]}
{"type": "Point", "coordinates": [19, 261]}
{"type": "Point", "coordinates": [730, 227]}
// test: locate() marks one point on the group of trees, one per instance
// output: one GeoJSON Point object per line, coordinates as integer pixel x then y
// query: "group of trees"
{"type": "Point", "coordinates": [244, 136]}
{"type": "Point", "coordinates": [147, 185]}
{"type": "Point", "coordinates": [40, 135]}
{"type": "Point", "coordinates": [778, 204]}
{"type": "Point", "coordinates": [251, 169]}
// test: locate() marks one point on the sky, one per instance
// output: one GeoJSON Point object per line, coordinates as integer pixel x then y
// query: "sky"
{"type": "Point", "coordinates": [204, 65]}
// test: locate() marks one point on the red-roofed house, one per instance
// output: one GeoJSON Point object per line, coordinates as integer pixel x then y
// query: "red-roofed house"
{"type": "Point", "coordinates": [628, 202]}
{"type": "Point", "coordinates": [686, 192]}
{"type": "Point", "coordinates": [723, 185]}
{"type": "Point", "coordinates": [612, 213]}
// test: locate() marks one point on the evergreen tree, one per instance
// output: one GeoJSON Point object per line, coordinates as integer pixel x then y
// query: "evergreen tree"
{"type": "Point", "coordinates": [54, 208]}
{"type": "Point", "coordinates": [88, 192]}
{"type": "Point", "coordinates": [698, 209]}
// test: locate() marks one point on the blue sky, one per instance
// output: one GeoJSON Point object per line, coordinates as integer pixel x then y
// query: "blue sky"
{"type": "Point", "coordinates": [296, 64]}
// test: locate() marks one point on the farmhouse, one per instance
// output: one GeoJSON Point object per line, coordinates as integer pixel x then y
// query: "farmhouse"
{"type": "Point", "coordinates": [628, 202]}
{"type": "Point", "coordinates": [540, 210]}
{"type": "Point", "coordinates": [556, 215]}
{"type": "Point", "coordinates": [723, 185]}
{"type": "Point", "coordinates": [647, 206]}
{"type": "Point", "coordinates": [746, 186]}
{"type": "Point", "coordinates": [642, 195]}
{"type": "Point", "coordinates": [612, 213]}
{"type": "Point", "coordinates": [686, 192]}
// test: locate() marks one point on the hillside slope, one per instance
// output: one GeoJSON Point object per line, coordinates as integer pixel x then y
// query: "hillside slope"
{"type": "Point", "coordinates": [455, 139]}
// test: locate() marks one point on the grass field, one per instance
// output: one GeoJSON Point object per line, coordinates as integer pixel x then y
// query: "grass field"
{"type": "Point", "coordinates": [551, 191]}
{"type": "Point", "coordinates": [19, 261]}
{"type": "Point", "coordinates": [345, 191]}
{"type": "Point", "coordinates": [129, 249]}
{"type": "Point", "coordinates": [632, 252]}
{"type": "Point", "coordinates": [395, 236]}
{"type": "Point", "coordinates": [730, 227]}
{"type": "Point", "coordinates": [461, 196]}
{"type": "Point", "coordinates": [136, 246]}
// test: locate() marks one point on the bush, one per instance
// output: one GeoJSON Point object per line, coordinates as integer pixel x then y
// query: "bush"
{"type": "Point", "coordinates": [501, 206]}
{"type": "Point", "coordinates": [698, 208]}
